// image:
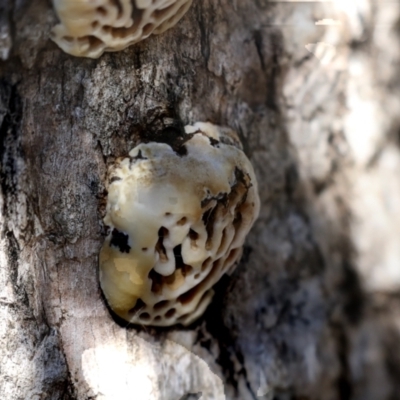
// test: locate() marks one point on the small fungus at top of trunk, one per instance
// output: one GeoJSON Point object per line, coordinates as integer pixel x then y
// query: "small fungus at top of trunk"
{"type": "Point", "coordinates": [88, 28]}
{"type": "Point", "coordinates": [178, 222]}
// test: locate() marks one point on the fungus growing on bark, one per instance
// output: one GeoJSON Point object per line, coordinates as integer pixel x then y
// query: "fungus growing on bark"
{"type": "Point", "coordinates": [178, 220]}
{"type": "Point", "coordinates": [88, 28]}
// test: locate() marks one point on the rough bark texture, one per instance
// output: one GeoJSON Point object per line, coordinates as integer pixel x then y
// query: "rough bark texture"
{"type": "Point", "coordinates": [312, 312]}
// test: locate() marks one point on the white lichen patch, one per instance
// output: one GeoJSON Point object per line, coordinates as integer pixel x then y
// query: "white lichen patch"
{"type": "Point", "coordinates": [88, 28]}
{"type": "Point", "coordinates": [178, 219]}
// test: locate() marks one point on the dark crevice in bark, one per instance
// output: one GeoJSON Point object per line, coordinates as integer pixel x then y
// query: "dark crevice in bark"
{"type": "Point", "coordinates": [10, 117]}
{"type": "Point", "coordinates": [191, 396]}
{"type": "Point", "coordinates": [217, 329]}
{"type": "Point", "coordinates": [271, 68]}
{"type": "Point", "coordinates": [392, 359]}
{"type": "Point", "coordinates": [11, 108]}
{"type": "Point", "coordinates": [258, 42]}
{"type": "Point", "coordinates": [228, 348]}
{"type": "Point", "coordinates": [343, 381]}
{"type": "Point", "coordinates": [13, 255]}
{"type": "Point", "coordinates": [204, 33]}
{"type": "Point", "coordinates": [13, 251]}
{"type": "Point", "coordinates": [291, 180]}
{"type": "Point", "coordinates": [352, 300]}
{"type": "Point", "coordinates": [163, 125]}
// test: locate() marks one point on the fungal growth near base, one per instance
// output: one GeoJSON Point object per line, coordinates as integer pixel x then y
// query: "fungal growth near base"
{"type": "Point", "coordinates": [178, 218]}
{"type": "Point", "coordinates": [88, 28]}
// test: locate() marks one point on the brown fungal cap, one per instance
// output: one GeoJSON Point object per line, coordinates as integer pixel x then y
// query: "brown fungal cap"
{"type": "Point", "coordinates": [88, 28]}
{"type": "Point", "coordinates": [178, 223]}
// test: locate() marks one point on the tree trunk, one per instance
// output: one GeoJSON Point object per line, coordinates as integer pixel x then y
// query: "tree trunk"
{"type": "Point", "coordinates": [312, 311]}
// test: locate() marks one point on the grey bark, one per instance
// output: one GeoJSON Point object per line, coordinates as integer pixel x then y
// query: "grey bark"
{"type": "Point", "coordinates": [312, 312]}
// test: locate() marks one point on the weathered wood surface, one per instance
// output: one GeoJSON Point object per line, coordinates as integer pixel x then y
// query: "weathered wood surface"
{"type": "Point", "coordinates": [312, 312]}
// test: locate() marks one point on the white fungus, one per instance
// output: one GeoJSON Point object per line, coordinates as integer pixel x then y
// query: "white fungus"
{"type": "Point", "coordinates": [88, 28]}
{"type": "Point", "coordinates": [178, 219]}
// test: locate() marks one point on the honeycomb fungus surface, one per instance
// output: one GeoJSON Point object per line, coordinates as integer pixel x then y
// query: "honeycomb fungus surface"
{"type": "Point", "coordinates": [88, 28]}
{"type": "Point", "coordinates": [178, 219]}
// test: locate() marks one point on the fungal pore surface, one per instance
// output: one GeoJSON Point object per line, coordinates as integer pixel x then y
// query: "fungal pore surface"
{"type": "Point", "coordinates": [178, 219]}
{"type": "Point", "coordinates": [88, 28]}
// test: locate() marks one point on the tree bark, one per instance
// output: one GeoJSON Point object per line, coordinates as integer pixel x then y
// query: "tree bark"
{"type": "Point", "coordinates": [312, 311]}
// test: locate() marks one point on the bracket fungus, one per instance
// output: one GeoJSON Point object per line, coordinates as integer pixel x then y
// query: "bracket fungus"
{"type": "Point", "coordinates": [88, 28]}
{"type": "Point", "coordinates": [178, 218]}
